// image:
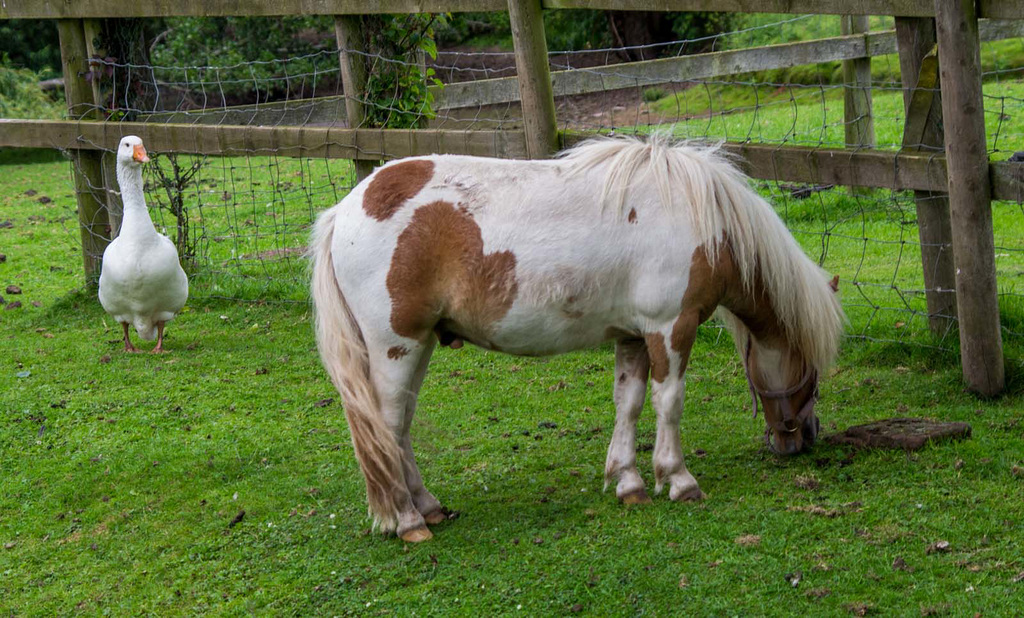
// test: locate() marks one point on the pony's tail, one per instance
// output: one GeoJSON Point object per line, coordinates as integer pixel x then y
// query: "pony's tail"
{"type": "Point", "coordinates": [343, 351]}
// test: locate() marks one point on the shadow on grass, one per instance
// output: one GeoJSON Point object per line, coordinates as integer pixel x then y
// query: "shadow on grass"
{"type": "Point", "coordinates": [22, 156]}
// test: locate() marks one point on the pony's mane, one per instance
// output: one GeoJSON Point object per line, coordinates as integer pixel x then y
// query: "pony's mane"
{"type": "Point", "coordinates": [701, 183]}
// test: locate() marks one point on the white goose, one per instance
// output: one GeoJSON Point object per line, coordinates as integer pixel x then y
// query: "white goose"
{"type": "Point", "coordinates": [141, 281]}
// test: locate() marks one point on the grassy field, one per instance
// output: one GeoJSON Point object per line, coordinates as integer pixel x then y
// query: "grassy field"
{"type": "Point", "coordinates": [122, 473]}
{"type": "Point", "coordinates": [124, 478]}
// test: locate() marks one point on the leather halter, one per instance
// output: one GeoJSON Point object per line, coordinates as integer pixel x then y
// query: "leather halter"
{"type": "Point", "coordinates": [788, 417]}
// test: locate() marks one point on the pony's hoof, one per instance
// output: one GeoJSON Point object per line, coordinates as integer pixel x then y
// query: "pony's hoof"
{"type": "Point", "coordinates": [436, 517]}
{"type": "Point", "coordinates": [694, 494]}
{"type": "Point", "coordinates": [636, 497]}
{"type": "Point", "coordinates": [417, 535]}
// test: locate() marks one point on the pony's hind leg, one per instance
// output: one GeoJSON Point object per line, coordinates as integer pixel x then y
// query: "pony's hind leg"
{"type": "Point", "coordinates": [425, 502]}
{"type": "Point", "coordinates": [668, 367]}
{"type": "Point", "coordinates": [631, 369]}
{"type": "Point", "coordinates": [395, 374]}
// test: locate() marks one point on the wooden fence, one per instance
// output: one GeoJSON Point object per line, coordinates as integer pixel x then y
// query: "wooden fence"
{"type": "Point", "coordinates": [953, 192]}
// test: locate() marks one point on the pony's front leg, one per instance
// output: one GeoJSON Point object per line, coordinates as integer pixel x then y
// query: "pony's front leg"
{"type": "Point", "coordinates": [631, 369]}
{"type": "Point", "coordinates": [669, 354]}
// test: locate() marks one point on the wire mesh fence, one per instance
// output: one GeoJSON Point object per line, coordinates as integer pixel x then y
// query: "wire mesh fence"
{"type": "Point", "coordinates": [249, 216]}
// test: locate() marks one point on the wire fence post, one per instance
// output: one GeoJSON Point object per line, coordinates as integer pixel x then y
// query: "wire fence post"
{"type": "Point", "coordinates": [534, 77]}
{"type": "Point", "coordinates": [858, 121]}
{"type": "Point", "coordinates": [963, 113]}
{"type": "Point", "coordinates": [922, 103]}
{"type": "Point", "coordinates": [348, 30]}
{"type": "Point", "coordinates": [87, 164]}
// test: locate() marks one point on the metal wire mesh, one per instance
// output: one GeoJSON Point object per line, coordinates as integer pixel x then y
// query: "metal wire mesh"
{"type": "Point", "coordinates": [253, 212]}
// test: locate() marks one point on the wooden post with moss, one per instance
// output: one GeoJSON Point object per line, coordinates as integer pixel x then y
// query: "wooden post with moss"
{"type": "Point", "coordinates": [963, 116]}
{"type": "Point", "coordinates": [88, 168]}
{"type": "Point", "coordinates": [534, 77]}
{"type": "Point", "coordinates": [858, 119]}
{"type": "Point", "coordinates": [108, 158]}
{"type": "Point", "coordinates": [922, 132]}
{"type": "Point", "coordinates": [349, 32]}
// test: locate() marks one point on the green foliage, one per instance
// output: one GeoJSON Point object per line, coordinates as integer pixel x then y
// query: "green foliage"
{"type": "Point", "coordinates": [21, 96]}
{"type": "Point", "coordinates": [262, 53]}
{"type": "Point", "coordinates": [653, 94]}
{"type": "Point", "coordinates": [476, 30]}
{"type": "Point", "coordinates": [573, 30]}
{"type": "Point", "coordinates": [245, 50]}
{"type": "Point", "coordinates": [699, 25]}
{"type": "Point", "coordinates": [397, 83]}
{"type": "Point", "coordinates": [31, 44]}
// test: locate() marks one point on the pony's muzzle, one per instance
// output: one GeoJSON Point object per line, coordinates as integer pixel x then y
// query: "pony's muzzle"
{"type": "Point", "coordinates": [792, 436]}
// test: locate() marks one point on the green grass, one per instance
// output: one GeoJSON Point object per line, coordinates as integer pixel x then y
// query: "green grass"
{"type": "Point", "coordinates": [120, 474]}
{"type": "Point", "coordinates": [813, 115]}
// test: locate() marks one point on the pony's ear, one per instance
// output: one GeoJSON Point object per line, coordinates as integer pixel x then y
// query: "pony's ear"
{"type": "Point", "coordinates": [834, 284]}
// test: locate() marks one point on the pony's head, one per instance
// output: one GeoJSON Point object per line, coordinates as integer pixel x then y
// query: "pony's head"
{"type": "Point", "coordinates": [782, 373]}
{"type": "Point", "coordinates": [788, 389]}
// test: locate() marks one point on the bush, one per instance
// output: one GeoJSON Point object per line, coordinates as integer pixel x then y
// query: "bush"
{"type": "Point", "coordinates": [31, 44]}
{"type": "Point", "coordinates": [268, 59]}
{"type": "Point", "coordinates": [234, 44]}
{"type": "Point", "coordinates": [21, 96]}
{"type": "Point", "coordinates": [653, 94]}
{"type": "Point", "coordinates": [397, 83]}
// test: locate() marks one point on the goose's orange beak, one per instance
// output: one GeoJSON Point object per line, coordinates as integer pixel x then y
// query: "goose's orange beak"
{"type": "Point", "coordinates": [140, 154]}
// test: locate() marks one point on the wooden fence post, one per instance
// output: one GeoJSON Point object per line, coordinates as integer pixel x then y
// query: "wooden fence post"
{"type": "Point", "coordinates": [922, 130]}
{"type": "Point", "coordinates": [963, 113]}
{"type": "Point", "coordinates": [88, 169]}
{"type": "Point", "coordinates": [111, 191]}
{"type": "Point", "coordinates": [858, 121]}
{"type": "Point", "coordinates": [349, 32]}
{"type": "Point", "coordinates": [534, 77]}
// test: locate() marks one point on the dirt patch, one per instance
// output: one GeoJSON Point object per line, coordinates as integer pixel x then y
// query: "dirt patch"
{"type": "Point", "coordinates": [276, 253]}
{"type": "Point", "coordinates": [900, 433]}
{"type": "Point", "coordinates": [749, 540]}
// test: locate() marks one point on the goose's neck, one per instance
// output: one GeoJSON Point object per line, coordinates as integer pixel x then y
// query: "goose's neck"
{"type": "Point", "coordinates": [136, 221]}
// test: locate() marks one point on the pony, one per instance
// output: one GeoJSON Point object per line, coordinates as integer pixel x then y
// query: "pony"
{"type": "Point", "coordinates": [621, 239]}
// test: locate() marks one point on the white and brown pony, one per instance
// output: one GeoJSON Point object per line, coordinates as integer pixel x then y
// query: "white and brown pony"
{"type": "Point", "coordinates": [617, 239]}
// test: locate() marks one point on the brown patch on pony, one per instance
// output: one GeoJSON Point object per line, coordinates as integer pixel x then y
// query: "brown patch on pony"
{"type": "Point", "coordinates": [707, 285]}
{"type": "Point", "coordinates": [439, 272]}
{"type": "Point", "coordinates": [834, 283]}
{"type": "Point", "coordinates": [397, 352]}
{"type": "Point", "coordinates": [720, 283]}
{"type": "Point", "coordinates": [632, 215]}
{"type": "Point", "coordinates": [569, 312]}
{"type": "Point", "coordinates": [394, 185]}
{"type": "Point", "coordinates": [659, 356]}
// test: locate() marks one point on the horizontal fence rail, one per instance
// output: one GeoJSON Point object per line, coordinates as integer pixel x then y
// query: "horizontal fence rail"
{"type": "Point", "coordinates": [228, 140]}
{"type": "Point", "coordinates": [61, 9]}
{"type": "Point", "coordinates": [836, 166]}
